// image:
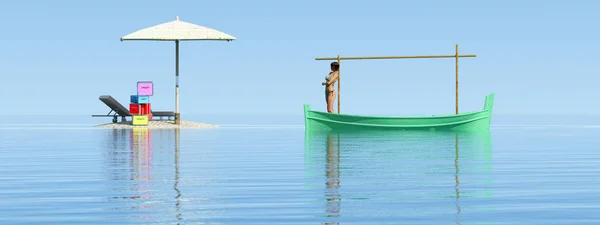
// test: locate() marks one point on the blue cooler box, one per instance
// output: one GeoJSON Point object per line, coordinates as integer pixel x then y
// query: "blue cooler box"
{"type": "Point", "coordinates": [140, 99]}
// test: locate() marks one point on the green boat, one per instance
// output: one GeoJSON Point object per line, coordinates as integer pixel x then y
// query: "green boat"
{"type": "Point", "coordinates": [467, 121]}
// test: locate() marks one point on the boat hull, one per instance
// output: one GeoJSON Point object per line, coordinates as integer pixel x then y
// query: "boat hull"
{"type": "Point", "coordinates": [471, 121]}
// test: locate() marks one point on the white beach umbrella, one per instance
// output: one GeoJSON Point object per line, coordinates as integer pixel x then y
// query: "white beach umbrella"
{"type": "Point", "coordinates": [177, 30]}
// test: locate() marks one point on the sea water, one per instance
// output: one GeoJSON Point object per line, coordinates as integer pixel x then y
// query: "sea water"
{"type": "Point", "coordinates": [256, 170]}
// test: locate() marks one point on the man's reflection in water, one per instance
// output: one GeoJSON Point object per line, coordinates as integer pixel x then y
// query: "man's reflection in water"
{"type": "Point", "coordinates": [333, 177]}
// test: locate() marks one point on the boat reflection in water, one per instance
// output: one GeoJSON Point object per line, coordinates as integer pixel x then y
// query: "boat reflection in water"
{"type": "Point", "coordinates": [402, 174]}
{"type": "Point", "coordinates": [137, 171]}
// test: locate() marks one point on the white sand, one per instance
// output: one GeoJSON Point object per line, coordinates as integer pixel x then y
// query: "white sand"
{"type": "Point", "coordinates": [159, 125]}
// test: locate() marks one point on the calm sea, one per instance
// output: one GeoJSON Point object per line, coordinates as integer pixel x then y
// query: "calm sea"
{"type": "Point", "coordinates": [257, 170]}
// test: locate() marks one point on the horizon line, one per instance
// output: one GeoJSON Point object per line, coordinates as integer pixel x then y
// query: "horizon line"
{"type": "Point", "coordinates": [299, 114]}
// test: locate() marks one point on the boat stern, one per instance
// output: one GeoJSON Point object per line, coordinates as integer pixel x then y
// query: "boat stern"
{"type": "Point", "coordinates": [489, 102]}
{"type": "Point", "coordinates": [485, 115]}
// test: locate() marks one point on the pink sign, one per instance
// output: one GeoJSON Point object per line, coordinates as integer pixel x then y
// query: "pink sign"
{"type": "Point", "coordinates": [145, 88]}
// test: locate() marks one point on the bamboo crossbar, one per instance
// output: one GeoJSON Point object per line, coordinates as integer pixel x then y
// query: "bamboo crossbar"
{"type": "Point", "coordinates": [399, 57]}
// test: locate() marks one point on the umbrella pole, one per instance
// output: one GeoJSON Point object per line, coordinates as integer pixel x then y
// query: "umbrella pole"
{"type": "Point", "coordinates": [177, 82]}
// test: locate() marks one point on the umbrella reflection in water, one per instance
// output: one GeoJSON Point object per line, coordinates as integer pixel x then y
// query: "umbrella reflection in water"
{"type": "Point", "coordinates": [176, 185]}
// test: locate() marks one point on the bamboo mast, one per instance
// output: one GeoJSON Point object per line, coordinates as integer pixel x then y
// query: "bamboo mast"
{"type": "Point", "coordinates": [456, 79]}
{"type": "Point", "coordinates": [338, 98]}
{"type": "Point", "coordinates": [455, 56]}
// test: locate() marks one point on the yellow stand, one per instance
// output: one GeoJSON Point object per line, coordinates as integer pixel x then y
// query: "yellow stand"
{"type": "Point", "coordinates": [140, 120]}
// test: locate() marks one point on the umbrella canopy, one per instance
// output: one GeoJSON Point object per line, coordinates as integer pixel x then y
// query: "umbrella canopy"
{"type": "Point", "coordinates": [177, 30]}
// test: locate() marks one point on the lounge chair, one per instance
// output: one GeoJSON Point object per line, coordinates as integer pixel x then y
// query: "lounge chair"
{"type": "Point", "coordinates": [120, 111]}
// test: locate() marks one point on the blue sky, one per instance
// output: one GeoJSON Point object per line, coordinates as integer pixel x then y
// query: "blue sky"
{"type": "Point", "coordinates": [538, 57]}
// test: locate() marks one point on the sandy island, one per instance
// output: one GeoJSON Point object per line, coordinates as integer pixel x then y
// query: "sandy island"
{"type": "Point", "coordinates": [159, 125]}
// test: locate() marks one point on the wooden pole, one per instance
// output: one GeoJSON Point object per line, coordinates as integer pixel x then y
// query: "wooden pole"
{"type": "Point", "coordinates": [401, 57]}
{"type": "Point", "coordinates": [456, 78]}
{"type": "Point", "coordinates": [339, 75]}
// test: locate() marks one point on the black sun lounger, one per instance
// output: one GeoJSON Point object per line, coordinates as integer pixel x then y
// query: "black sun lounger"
{"type": "Point", "coordinates": [120, 110]}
